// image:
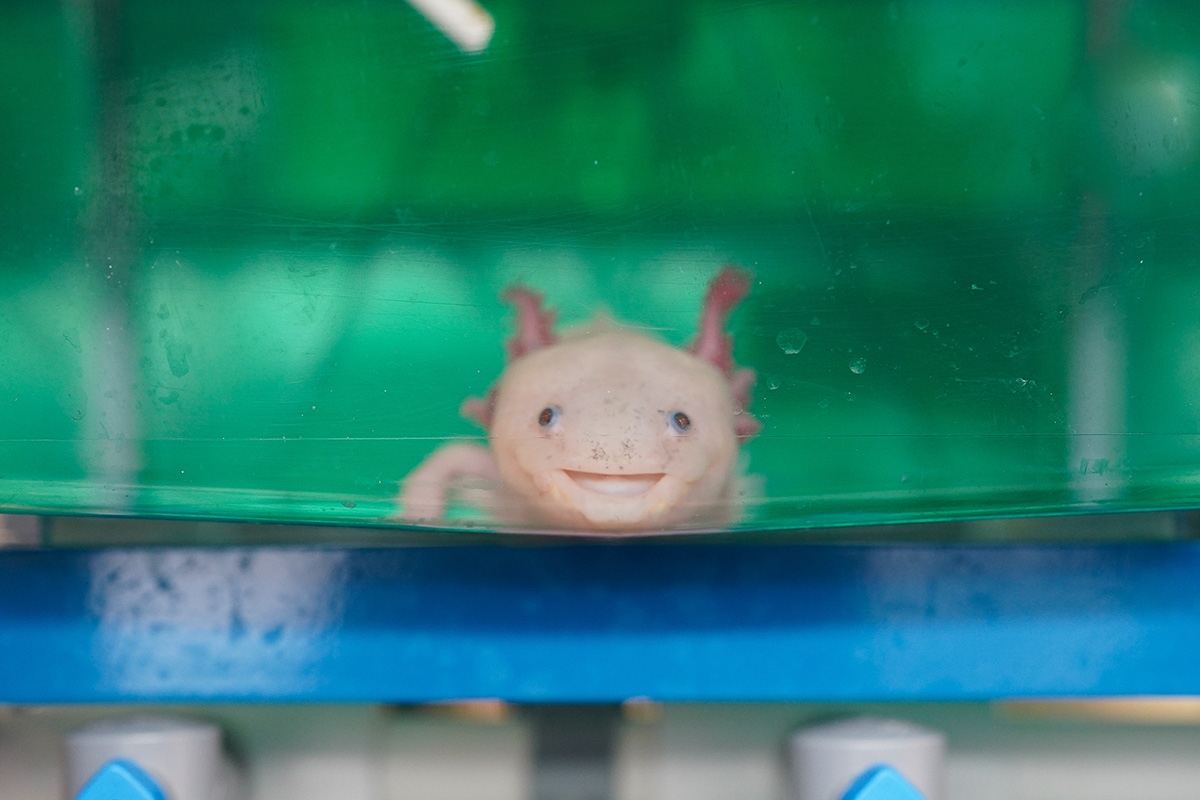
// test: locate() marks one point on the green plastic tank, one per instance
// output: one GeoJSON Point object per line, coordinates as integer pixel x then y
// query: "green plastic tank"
{"type": "Point", "coordinates": [251, 253]}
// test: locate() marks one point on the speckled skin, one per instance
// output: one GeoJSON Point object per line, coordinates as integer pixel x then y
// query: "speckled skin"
{"type": "Point", "coordinates": [609, 454]}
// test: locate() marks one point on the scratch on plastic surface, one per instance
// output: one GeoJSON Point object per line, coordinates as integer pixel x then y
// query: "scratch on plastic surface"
{"type": "Point", "coordinates": [221, 623]}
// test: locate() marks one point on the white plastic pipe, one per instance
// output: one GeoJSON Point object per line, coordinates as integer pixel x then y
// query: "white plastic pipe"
{"type": "Point", "coordinates": [827, 759]}
{"type": "Point", "coordinates": [184, 757]}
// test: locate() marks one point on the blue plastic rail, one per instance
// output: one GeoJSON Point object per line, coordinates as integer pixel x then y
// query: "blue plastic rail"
{"type": "Point", "coordinates": [598, 622]}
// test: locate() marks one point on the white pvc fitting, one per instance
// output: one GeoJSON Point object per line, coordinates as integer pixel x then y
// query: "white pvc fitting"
{"type": "Point", "coordinates": [826, 759]}
{"type": "Point", "coordinates": [184, 757]}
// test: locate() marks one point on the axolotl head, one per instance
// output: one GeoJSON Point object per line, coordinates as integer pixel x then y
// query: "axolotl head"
{"type": "Point", "coordinates": [611, 429]}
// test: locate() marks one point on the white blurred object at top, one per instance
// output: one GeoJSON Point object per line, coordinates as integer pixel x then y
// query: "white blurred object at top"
{"type": "Point", "coordinates": [464, 22]}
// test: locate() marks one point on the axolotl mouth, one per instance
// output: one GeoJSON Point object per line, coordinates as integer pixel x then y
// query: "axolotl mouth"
{"type": "Point", "coordinates": [616, 501]}
{"type": "Point", "coordinates": [615, 485]}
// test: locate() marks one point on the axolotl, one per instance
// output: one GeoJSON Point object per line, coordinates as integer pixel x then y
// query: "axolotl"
{"type": "Point", "coordinates": [603, 428]}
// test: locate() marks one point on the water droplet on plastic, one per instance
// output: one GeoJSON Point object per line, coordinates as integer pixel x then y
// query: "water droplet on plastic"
{"type": "Point", "coordinates": [858, 366]}
{"type": "Point", "coordinates": [773, 382]}
{"type": "Point", "coordinates": [791, 340]}
{"type": "Point", "coordinates": [921, 322]}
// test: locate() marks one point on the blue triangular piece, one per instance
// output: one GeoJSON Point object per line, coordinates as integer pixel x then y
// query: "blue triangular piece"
{"type": "Point", "coordinates": [121, 780]}
{"type": "Point", "coordinates": [882, 783]}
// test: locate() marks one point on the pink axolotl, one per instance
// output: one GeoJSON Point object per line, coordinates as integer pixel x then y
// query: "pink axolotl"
{"type": "Point", "coordinates": [603, 429]}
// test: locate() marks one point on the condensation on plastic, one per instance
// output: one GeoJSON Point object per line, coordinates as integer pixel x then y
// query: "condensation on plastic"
{"type": "Point", "coordinates": [252, 253]}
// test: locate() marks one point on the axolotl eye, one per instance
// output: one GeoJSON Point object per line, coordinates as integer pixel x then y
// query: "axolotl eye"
{"type": "Point", "coordinates": [548, 416]}
{"type": "Point", "coordinates": [680, 422]}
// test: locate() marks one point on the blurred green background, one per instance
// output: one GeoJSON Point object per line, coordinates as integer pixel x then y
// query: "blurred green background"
{"type": "Point", "coordinates": [250, 253]}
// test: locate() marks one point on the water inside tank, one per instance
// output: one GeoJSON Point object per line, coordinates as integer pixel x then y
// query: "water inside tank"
{"type": "Point", "coordinates": [253, 253]}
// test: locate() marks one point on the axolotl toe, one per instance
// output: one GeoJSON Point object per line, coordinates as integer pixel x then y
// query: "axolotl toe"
{"type": "Point", "coordinates": [603, 428]}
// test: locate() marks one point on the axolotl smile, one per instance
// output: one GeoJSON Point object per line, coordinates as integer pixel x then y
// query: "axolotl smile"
{"type": "Point", "coordinates": [613, 485]}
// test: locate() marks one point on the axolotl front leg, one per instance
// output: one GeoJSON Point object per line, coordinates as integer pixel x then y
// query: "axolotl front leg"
{"type": "Point", "coordinates": [427, 489]}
